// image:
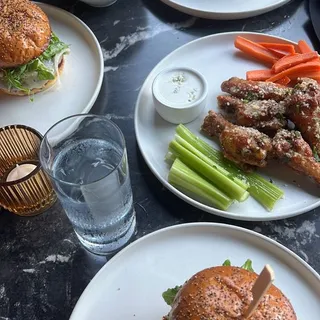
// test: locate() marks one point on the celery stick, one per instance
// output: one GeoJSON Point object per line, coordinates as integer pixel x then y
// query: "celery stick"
{"type": "Point", "coordinates": [244, 197]}
{"type": "Point", "coordinates": [262, 190]}
{"type": "Point", "coordinates": [221, 181]}
{"type": "Point", "coordinates": [209, 151]}
{"type": "Point", "coordinates": [212, 163]}
{"type": "Point", "coordinates": [169, 158]}
{"type": "Point", "coordinates": [187, 181]}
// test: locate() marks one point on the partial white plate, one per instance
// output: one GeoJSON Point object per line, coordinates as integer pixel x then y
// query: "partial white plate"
{"type": "Point", "coordinates": [130, 285]}
{"type": "Point", "coordinates": [225, 10]}
{"type": "Point", "coordinates": [80, 81]}
{"type": "Point", "coordinates": [217, 59]}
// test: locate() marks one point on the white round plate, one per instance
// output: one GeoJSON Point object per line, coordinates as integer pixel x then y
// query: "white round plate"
{"type": "Point", "coordinates": [225, 10]}
{"type": "Point", "coordinates": [130, 285]}
{"type": "Point", "coordinates": [80, 81]}
{"type": "Point", "coordinates": [217, 59]}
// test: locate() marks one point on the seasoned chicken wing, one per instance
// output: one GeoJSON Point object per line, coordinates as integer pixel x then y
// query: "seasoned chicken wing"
{"type": "Point", "coordinates": [303, 109]}
{"type": "Point", "coordinates": [239, 144]}
{"type": "Point", "coordinates": [255, 90]}
{"type": "Point", "coordinates": [264, 115]}
{"type": "Point", "coordinates": [290, 148]}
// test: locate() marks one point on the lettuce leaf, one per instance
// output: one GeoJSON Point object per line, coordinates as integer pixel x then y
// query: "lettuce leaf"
{"type": "Point", "coordinates": [43, 72]}
{"type": "Point", "coordinates": [13, 77]}
{"type": "Point", "coordinates": [247, 265]}
{"type": "Point", "coordinates": [55, 46]}
{"type": "Point", "coordinates": [227, 263]}
{"type": "Point", "coordinates": [170, 294]}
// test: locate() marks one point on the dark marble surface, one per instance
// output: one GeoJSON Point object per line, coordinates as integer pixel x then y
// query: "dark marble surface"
{"type": "Point", "coordinates": [43, 268]}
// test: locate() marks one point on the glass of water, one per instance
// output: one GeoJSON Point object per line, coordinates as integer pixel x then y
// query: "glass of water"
{"type": "Point", "coordinates": [86, 159]}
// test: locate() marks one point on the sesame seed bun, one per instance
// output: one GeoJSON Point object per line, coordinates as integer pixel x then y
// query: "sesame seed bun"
{"type": "Point", "coordinates": [24, 32]}
{"type": "Point", "coordinates": [46, 86]}
{"type": "Point", "coordinates": [224, 293]}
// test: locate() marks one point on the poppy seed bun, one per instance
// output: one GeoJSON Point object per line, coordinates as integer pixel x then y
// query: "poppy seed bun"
{"type": "Point", "coordinates": [46, 86]}
{"type": "Point", "coordinates": [224, 293]}
{"type": "Point", "coordinates": [24, 32]}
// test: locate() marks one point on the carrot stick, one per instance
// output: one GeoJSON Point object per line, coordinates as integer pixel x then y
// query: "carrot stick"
{"type": "Point", "coordinates": [283, 81]}
{"type": "Point", "coordinates": [255, 50]}
{"type": "Point", "coordinates": [282, 47]}
{"type": "Point", "coordinates": [259, 75]}
{"type": "Point", "coordinates": [278, 53]}
{"type": "Point", "coordinates": [311, 74]}
{"type": "Point", "coordinates": [302, 67]}
{"type": "Point", "coordinates": [293, 60]}
{"type": "Point", "coordinates": [304, 47]}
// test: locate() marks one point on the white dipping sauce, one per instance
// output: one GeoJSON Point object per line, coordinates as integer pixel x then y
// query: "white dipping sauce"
{"type": "Point", "coordinates": [179, 94]}
{"type": "Point", "coordinates": [178, 87]}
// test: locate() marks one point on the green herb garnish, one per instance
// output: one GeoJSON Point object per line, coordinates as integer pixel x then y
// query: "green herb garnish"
{"type": "Point", "coordinates": [315, 155]}
{"type": "Point", "coordinates": [251, 96]}
{"type": "Point", "coordinates": [280, 116]}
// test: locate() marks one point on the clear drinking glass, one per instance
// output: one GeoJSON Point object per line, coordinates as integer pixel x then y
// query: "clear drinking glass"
{"type": "Point", "coordinates": [86, 159]}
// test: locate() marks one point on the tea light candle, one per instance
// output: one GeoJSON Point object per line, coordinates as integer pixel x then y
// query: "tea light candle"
{"type": "Point", "coordinates": [25, 189]}
{"type": "Point", "coordinates": [20, 171]}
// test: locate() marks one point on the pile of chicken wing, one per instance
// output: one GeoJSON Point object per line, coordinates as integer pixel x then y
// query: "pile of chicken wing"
{"type": "Point", "coordinates": [260, 113]}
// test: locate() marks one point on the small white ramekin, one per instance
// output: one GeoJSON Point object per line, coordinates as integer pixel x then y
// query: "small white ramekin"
{"type": "Point", "coordinates": [183, 111]}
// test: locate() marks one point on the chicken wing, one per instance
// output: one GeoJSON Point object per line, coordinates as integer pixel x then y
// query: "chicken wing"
{"type": "Point", "coordinates": [255, 90]}
{"type": "Point", "coordinates": [242, 145]}
{"type": "Point", "coordinates": [303, 109]}
{"type": "Point", "coordinates": [290, 148]}
{"type": "Point", "coordinates": [265, 115]}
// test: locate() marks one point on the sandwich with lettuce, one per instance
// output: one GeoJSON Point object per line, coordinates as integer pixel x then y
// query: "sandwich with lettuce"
{"type": "Point", "coordinates": [31, 54]}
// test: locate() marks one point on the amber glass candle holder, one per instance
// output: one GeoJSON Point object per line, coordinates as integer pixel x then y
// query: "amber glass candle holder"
{"type": "Point", "coordinates": [31, 194]}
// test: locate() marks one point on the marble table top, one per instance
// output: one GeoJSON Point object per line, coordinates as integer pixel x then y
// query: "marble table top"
{"type": "Point", "coordinates": [43, 268]}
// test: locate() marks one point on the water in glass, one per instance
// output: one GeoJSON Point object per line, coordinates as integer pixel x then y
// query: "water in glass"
{"type": "Point", "coordinates": [96, 193]}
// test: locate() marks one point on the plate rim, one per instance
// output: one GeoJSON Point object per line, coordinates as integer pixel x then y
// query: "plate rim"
{"type": "Point", "coordinates": [233, 15]}
{"type": "Point", "coordinates": [213, 225]}
{"type": "Point", "coordinates": [175, 191]}
{"type": "Point", "coordinates": [98, 49]}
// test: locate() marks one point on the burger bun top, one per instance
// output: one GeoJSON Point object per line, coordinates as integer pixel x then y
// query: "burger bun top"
{"type": "Point", "coordinates": [24, 32]}
{"type": "Point", "coordinates": [224, 293]}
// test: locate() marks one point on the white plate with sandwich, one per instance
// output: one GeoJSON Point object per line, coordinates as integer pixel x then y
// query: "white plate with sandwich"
{"type": "Point", "coordinates": [225, 10]}
{"type": "Point", "coordinates": [131, 284]}
{"type": "Point", "coordinates": [55, 73]}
